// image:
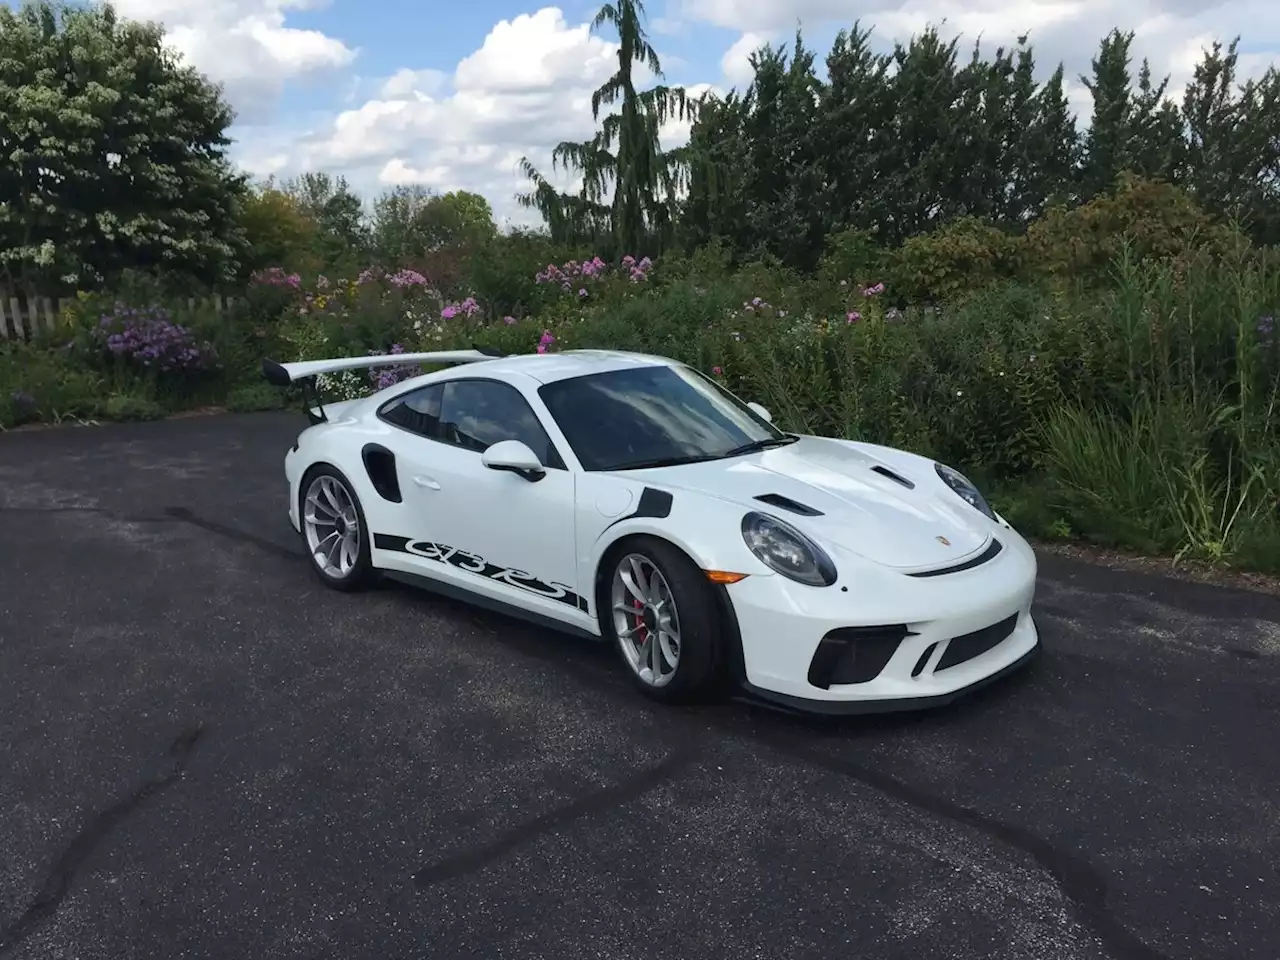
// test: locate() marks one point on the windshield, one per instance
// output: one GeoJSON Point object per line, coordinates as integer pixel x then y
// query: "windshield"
{"type": "Point", "coordinates": [651, 417]}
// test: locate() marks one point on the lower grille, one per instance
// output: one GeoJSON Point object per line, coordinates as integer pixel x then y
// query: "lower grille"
{"type": "Point", "coordinates": [855, 654]}
{"type": "Point", "coordinates": [970, 645]}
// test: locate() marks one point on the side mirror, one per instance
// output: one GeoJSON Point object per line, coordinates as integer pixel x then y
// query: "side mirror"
{"type": "Point", "coordinates": [514, 456]}
{"type": "Point", "coordinates": [761, 411]}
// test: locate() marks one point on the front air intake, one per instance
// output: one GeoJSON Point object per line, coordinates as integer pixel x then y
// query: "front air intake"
{"type": "Point", "coordinates": [786, 503]}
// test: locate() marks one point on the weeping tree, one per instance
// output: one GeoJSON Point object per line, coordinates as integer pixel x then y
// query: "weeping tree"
{"type": "Point", "coordinates": [629, 184]}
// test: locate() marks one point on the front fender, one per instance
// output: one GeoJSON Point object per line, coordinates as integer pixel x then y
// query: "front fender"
{"type": "Point", "coordinates": [706, 529]}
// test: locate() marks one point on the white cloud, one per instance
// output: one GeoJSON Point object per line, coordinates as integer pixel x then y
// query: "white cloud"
{"type": "Point", "coordinates": [526, 89]}
{"type": "Point", "coordinates": [529, 85]}
{"type": "Point", "coordinates": [736, 62]}
{"type": "Point", "coordinates": [243, 44]}
{"type": "Point", "coordinates": [419, 84]}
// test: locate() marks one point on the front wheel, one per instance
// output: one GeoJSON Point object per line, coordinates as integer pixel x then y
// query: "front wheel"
{"type": "Point", "coordinates": [663, 619]}
{"type": "Point", "coordinates": [334, 529]}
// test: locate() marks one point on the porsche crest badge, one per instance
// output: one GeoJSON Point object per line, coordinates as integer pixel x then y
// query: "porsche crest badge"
{"type": "Point", "coordinates": [944, 541]}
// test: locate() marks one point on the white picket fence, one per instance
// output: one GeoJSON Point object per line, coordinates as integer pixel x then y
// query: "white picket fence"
{"type": "Point", "coordinates": [22, 318]}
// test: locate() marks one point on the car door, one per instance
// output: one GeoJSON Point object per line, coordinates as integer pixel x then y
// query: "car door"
{"type": "Point", "coordinates": [491, 531]}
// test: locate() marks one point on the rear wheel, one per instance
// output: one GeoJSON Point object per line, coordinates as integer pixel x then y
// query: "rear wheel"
{"type": "Point", "coordinates": [663, 620]}
{"type": "Point", "coordinates": [334, 529]}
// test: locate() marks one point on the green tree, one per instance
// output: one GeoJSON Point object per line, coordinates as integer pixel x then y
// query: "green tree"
{"type": "Point", "coordinates": [1233, 142]}
{"type": "Point", "coordinates": [277, 231]}
{"type": "Point", "coordinates": [458, 218]}
{"type": "Point", "coordinates": [857, 104]}
{"type": "Point", "coordinates": [409, 221]}
{"type": "Point", "coordinates": [624, 157]}
{"type": "Point", "coordinates": [342, 235]}
{"type": "Point", "coordinates": [789, 211]}
{"type": "Point", "coordinates": [1107, 143]}
{"type": "Point", "coordinates": [394, 224]}
{"type": "Point", "coordinates": [114, 155]}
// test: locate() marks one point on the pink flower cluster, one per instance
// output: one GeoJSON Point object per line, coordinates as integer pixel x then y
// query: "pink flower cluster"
{"type": "Point", "coordinates": [639, 271]}
{"type": "Point", "coordinates": [276, 277]}
{"type": "Point", "coordinates": [567, 273]}
{"type": "Point", "coordinates": [407, 278]}
{"type": "Point", "coordinates": [872, 291]}
{"type": "Point", "coordinates": [467, 308]}
{"type": "Point", "coordinates": [547, 340]}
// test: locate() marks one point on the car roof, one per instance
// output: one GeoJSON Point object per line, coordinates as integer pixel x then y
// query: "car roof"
{"type": "Point", "coordinates": [550, 367]}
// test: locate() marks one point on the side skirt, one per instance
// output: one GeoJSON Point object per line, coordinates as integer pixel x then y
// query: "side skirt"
{"type": "Point", "coordinates": [488, 603]}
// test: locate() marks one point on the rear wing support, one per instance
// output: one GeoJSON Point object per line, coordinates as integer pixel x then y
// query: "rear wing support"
{"type": "Point", "coordinates": [305, 372]}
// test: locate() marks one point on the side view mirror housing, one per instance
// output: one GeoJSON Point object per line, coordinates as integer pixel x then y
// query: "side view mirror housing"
{"type": "Point", "coordinates": [761, 411]}
{"type": "Point", "coordinates": [514, 457]}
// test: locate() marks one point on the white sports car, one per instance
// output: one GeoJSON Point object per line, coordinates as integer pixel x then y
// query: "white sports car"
{"type": "Point", "coordinates": [635, 500]}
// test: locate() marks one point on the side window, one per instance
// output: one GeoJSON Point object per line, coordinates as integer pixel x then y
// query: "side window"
{"type": "Point", "coordinates": [475, 414]}
{"type": "Point", "coordinates": [418, 410]}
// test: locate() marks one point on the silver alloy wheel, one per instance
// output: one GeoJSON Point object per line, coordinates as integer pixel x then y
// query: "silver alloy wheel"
{"type": "Point", "coordinates": [646, 620]}
{"type": "Point", "coordinates": [332, 526]}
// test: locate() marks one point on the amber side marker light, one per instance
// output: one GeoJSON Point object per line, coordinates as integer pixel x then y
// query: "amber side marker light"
{"type": "Point", "coordinates": [724, 576]}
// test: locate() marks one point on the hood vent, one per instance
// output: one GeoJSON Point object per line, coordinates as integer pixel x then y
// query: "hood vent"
{"type": "Point", "coordinates": [786, 503]}
{"type": "Point", "coordinates": [896, 478]}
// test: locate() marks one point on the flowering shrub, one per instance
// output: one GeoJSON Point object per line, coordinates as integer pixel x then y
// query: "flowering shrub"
{"type": "Point", "coordinates": [467, 308]}
{"type": "Point", "coordinates": [573, 274]}
{"type": "Point", "coordinates": [276, 277]}
{"type": "Point", "coordinates": [149, 339]}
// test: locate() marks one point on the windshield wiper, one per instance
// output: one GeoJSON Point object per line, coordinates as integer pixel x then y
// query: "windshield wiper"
{"type": "Point", "coordinates": [762, 444]}
{"type": "Point", "coordinates": [665, 462]}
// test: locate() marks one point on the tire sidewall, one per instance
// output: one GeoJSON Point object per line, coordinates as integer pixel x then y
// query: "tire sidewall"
{"type": "Point", "coordinates": [362, 572]}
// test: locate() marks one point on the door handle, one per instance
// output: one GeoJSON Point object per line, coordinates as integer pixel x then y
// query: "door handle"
{"type": "Point", "coordinates": [426, 482]}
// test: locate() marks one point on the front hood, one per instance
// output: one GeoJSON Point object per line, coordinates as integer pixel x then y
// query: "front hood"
{"type": "Point", "coordinates": [862, 511]}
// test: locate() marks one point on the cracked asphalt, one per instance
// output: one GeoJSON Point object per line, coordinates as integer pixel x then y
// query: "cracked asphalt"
{"type": "Point", "coordinates": [204, 753]}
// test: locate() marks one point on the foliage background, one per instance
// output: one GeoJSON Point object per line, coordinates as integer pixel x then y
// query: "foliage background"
{"type": "Point", "coordinates": [921, 248]}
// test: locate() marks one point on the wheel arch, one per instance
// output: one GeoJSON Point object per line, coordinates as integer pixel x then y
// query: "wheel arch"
{"type": "Point", "coordinates": [730, 630]}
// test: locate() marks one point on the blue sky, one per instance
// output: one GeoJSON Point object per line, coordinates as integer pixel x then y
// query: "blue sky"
{"type": "Point", "coordinates": [478, 85]}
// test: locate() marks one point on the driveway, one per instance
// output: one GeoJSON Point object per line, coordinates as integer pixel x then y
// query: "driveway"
{"type": "Point", "coordinates": [204, 753]}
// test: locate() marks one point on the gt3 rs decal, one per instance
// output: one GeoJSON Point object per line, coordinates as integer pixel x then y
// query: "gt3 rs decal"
{"type": "Point", "coordinates": [480, 567]}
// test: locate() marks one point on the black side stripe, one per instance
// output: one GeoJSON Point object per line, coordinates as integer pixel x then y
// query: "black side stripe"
{"type": "Point", "coordinates": [480, 567]}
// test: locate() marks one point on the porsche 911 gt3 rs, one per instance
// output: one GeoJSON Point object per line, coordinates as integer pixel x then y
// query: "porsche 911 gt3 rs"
{"type": "Point", "coordinates": [633, 499]}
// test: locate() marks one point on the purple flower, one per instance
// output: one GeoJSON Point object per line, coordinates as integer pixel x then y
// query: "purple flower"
{"type": "Point", "coordinates": [150, 339]}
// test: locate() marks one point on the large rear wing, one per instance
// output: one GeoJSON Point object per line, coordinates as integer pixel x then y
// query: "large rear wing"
{"type": "Point", "coordinates": [304, 372]}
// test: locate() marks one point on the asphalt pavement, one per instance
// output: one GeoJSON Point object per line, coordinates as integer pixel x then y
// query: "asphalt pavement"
{"type": "Point", "coordinates": [204, 753]}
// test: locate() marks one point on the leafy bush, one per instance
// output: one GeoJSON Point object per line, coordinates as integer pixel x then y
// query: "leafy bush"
{"type": "Point", "coordinates": [255, 397]}
{"type": "Point", "coordinates": [125, 406]}
{"type": "Point", "coordinates": [1143, 219]}
{"type": "Point", "coordinates": [964, 255]}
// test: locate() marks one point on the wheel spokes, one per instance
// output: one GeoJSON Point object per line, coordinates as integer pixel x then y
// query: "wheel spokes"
{"type": "Point", "coordinates": [331, 526]}
{"type": "Point", "coordinates": [642, 596]}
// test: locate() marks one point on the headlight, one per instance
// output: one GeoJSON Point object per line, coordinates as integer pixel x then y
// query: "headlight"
{"type": "Point", "coordinates": [785, 550]}
{"type": "Point", "coordinates": [958, 482]}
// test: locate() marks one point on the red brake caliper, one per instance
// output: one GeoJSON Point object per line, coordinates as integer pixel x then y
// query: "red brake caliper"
{"type": "Point", "coordinates": [642, 632]}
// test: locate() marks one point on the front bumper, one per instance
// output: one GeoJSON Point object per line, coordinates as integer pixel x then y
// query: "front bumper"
{"type": "Point", "coordinates": [291, 475]}
{"type": "Point", "coordinates": [879, 640]}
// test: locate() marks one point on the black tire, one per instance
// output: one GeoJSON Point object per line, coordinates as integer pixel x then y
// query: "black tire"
{"type": "Point", "coordinates": [701, 669]}
{"type": "Point", "coordinates": [362, 573]}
